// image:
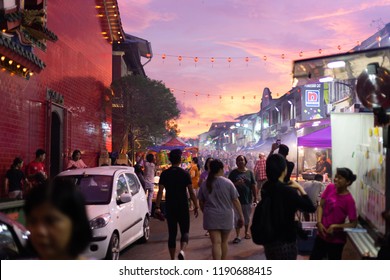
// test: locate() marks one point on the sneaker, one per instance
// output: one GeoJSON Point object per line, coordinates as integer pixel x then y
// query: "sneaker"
{"type": "Point", "coordinates": [236, 240]}
{"type": "Point", "coordinates": [181, 255]}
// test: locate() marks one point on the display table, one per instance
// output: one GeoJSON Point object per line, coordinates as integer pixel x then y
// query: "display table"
{"type": "Point", "coordinates": [364, 244]}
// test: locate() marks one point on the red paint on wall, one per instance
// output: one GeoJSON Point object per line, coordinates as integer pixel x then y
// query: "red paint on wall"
{"type": "Point", "coordinates": [79, 67]}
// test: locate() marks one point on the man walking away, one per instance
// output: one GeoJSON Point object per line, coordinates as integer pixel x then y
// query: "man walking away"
{"type": "Point", "coordinates": [176, 182]}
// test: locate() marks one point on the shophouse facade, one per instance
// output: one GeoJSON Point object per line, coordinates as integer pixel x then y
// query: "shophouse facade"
{"type": "Point", "coordinates": [66, 103]}
{"type": "Point", "coordinates": [281, 117]}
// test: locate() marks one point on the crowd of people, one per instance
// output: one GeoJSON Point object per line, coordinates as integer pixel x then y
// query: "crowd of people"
{"type": "Point", "coordinates": [19, 180]}
{"type": "Point", "coordinates": [57, 220]}
{"type": "Point", "coordinates": [227, 199]}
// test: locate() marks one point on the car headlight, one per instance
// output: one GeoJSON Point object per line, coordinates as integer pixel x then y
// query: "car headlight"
{"type": "Point", "coordinates": [100, 221]}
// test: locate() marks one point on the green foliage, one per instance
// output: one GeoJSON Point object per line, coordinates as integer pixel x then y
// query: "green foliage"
{"type": "Point", "coordinates": [147, 106]}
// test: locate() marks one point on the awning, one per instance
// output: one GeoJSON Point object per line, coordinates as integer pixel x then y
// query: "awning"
{"type": "Point", "coordinates": [319, 139]}
{"type": "Point", "coordinates": [165, 148]}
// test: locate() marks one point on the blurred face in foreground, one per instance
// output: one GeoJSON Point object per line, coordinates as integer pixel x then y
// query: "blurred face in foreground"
{"type": "Point", "coordinates": [51, 232]}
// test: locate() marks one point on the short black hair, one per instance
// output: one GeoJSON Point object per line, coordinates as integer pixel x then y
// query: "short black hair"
{"type": "Point", "coordinates": [17, 160]}
{"type": "Point", "coordinates": [39, 152]}
{"type": "Point", "coordinates": [283, 150]}
{"type": "Point", "coordinates": [318, 177]}
{"type": "Point", "coordinates": [75, 152]}
{"type": "Point", "coordinates": [149, 157]}
{"type": "Point", "coordinates": [246, 161]}
{"type": "Point", "coordinates": [175, 156]}
{"type": "Point", "coordinates": [274, 167]}
{"type": "Point", "coordinates": [62, 194]}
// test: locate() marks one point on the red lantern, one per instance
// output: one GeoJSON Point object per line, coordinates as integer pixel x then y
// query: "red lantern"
{"type": "Point", "coordinates": [208, 95]}
{"type": "Point", "coordinates": [212, 61]}
{"type": "Point", "coordinates": [148, 55]}
{"type": "Point", "coordinates": [196, 59]}
{"type": "Point", "coordinates": [339, 47]}
{"type": "Point", "coordinates": [283, 56]}
{"type": "Point", "coordinates": [247, 59]}
{"type": "Point", "coordinates": [180, 58]}
{"type": "Point", "coordinates": [254, 96]}
{"type": "Point", "coordinates": [163, 56]}
{"type": "Point", "coordinates": [265, 58]}
{"type": "Point", "coordinates": [243, 97]}
{"type": "Point", "coordinates": [320, 51]}
{"type": "Point", "coordinates": [232, 97]}
{"type": "Point", "coordinates": [301, 53]}
{"type": "Point", "coordinates": [220, 97]}
{"type": "Point", "coordinates": [229, 59]}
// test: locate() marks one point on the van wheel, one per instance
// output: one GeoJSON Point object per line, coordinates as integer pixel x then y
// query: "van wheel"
{"type": "Point", "coordinates": [146, 230]}
{"type": "Point", "coordinates": [113, 248]}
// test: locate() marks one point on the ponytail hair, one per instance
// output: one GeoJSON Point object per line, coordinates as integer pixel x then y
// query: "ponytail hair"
{"type": "Point", "coordinates": [196, 161]}
{"type": "Point", "coordinates": [215, 166]}
{"type": "Point", "coordinates": [346, 173]}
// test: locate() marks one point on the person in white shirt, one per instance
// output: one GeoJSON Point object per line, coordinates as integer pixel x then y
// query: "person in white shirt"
{"type": "Point", "coordinates": [149, 173]}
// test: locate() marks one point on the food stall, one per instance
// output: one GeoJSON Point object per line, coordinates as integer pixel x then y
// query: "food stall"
{"type": "Point", "coordinates": [161, 153]}
{"type": "Point", "coordinates": [313, 140]}
{"type": "Point", "coordinates": [360, 140]}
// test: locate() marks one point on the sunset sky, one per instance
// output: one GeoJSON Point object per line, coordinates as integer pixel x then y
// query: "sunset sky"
{"type": "Point", "coordinates": [264, 31]}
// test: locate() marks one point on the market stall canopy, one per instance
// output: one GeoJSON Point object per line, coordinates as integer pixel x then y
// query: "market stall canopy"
{"type": "Point", "coordinates": [318, 139]}
{"type": "Point", "coordinates": [172, 144]}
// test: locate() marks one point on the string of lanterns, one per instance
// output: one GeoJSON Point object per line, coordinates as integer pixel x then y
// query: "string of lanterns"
{"type": "Point", "coordinates": [208, 95]}
{"type": "Point", "coordinates": [246, 59]}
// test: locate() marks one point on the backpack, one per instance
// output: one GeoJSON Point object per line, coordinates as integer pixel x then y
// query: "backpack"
{"type": "Point", "coordinates": [262, 228]}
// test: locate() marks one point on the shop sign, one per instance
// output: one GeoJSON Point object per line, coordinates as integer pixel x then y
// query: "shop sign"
{"type": "Point", "coordinates": [54, 96]}
{"type": "Point", "coordinates": [313, 103]}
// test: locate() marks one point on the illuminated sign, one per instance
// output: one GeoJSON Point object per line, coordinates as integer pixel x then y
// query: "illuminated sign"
{"type": "Point", "coordinates": [312, 98]}
{"type": "Point", "coordinates": [313, 105]}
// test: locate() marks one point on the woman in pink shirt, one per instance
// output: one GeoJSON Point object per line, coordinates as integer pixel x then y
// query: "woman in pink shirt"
{"type": "Point", "coordinates": [337, 204]}
{"type": "Point", "coordinates": [76, 161]}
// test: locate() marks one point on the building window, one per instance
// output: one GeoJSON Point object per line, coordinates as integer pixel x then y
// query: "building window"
{"type": "Point", "coordinates": [286, 112]}
{"type": "Point", "coordinates": [266, 119]}
{"type": "Point", "coordinates": [275, 116]}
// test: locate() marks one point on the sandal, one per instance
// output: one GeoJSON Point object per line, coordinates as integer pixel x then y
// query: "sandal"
{"type": "Point", "coordinates": [248, 236]}
{"type": "Point", "coordinates": [236, 240]}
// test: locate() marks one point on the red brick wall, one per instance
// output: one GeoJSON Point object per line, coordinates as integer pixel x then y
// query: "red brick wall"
{"type": "Point", "coordinates": [79, 67]}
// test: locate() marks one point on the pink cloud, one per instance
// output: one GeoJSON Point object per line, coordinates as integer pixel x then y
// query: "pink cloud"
{"type": "Point", "coordinates": [237, 29]}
